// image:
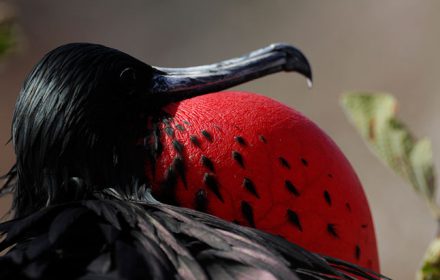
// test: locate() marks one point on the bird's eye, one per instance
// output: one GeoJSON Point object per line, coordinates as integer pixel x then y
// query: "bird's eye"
{"type": "Point", "coordinates": [128, 80]}
{"type": "Point", "coordinates": [128, 76]}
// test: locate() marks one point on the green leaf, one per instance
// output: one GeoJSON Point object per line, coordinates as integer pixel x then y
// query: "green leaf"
{"type": "Point", "coordinates": [373, 114]}
{"type": "Point", "coordinates": [430, 269]}
{"type": "Point", "coordinates": [8, 36]}
{"type": "Point", "coordinates": [7, 39]}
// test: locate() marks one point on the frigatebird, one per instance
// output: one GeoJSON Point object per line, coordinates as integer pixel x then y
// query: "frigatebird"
{"type": "Point", "coordinates": [82, 205]}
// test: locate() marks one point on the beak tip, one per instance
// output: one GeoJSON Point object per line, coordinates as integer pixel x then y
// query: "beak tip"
{"type": "Point", "coordinates": [309, 83]}
{"type": "Point", "coordinates": [296, 61]}
{"type": "Point", "coordinates": [305, 70]}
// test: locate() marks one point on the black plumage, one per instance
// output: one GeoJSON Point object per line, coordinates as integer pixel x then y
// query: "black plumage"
{"type": "Point", "coordinates": [82, 206]}
{"type": "Point", "coordinates": [114, 237]}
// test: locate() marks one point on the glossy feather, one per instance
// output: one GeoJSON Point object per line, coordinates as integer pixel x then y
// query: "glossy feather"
{"type": "Point", "coordinates": [111, 237]}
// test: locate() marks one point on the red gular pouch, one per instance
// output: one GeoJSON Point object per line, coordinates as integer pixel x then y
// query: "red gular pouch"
{"type": "Point", "coordinates": [254, 161]}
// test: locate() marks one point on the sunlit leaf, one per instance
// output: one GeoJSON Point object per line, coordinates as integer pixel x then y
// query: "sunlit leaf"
{"type": "Point", "coordinates": [373, 114]}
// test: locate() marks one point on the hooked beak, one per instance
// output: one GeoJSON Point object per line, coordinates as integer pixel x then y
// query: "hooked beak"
{"type": "Point", "coordinates": [180, 83]}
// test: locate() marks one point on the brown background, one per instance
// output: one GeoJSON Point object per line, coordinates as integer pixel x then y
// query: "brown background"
{"type": "Point", "coordinates": [376, 45]}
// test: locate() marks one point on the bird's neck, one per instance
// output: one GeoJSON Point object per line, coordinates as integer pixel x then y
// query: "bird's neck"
{"type": "Point", "coordinates": [47, 177]}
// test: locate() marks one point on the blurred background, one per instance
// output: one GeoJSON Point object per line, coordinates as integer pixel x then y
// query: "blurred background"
{"type": "Point", "coordinates": [370, 45]}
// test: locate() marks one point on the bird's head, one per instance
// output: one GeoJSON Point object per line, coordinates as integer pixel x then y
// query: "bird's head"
{"type": "Point", "coordinates": [84, 109]}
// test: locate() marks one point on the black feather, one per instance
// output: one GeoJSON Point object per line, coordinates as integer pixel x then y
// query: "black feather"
{"type": "Point", "coordinates": [248, 213]}
{"type": "Point", "coordinates": [240, 140]}
{"type": "Point", "coordinates": [211, 182]}
{"type": "Point", "coordinates": [328, 198]}
{"type": "Point", "coordinates": [291, 188]}
{"type": "Point", "coordinates": [207, 163]}
{"type": "Point", "coordinates": [207, 135]}
{"type": "Point", "coordinates": [201, 200]}
{"type": "Point", "coordinates": [160, 245]}
{"type": "Point", "coordinates": [195, 141]}
{"type": "Point", "coordinates": [284, 162]}
{"type": "Point", "coordinates": [63, 221]}
{"type": "Point", "coordinates": [293, 218]}
{"type": "Point", "coordinates": [238, 158]}
{"type": "Point", "coordinates": [250, 186]}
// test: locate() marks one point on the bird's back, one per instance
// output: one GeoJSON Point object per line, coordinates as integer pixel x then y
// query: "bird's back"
{"type": "Point", "coordinates": [112, 238]}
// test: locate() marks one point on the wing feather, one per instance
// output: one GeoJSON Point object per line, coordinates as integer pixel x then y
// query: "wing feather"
{"type": "Point", "coordinates": [111, 237]}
